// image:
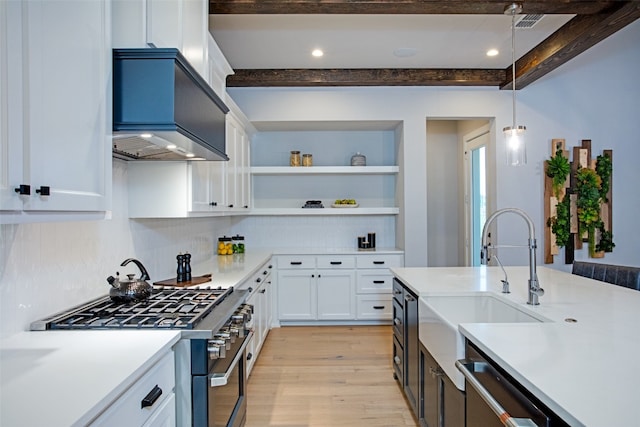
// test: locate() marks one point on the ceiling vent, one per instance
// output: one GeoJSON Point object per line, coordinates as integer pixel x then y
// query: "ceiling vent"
{"type": "Point", "coordinates": [529, 20]}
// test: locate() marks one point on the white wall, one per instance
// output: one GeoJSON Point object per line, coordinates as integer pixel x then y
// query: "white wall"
{"type": "Point", "coordinates": [594, 96]}
{"type": "Point", "coordinates": [443, 177]}
{"type": "Point", "coordinates": [49, 267]}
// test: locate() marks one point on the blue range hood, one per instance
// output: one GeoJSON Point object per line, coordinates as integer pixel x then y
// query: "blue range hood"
{"type": "Point", "coordinates": [163, 109]}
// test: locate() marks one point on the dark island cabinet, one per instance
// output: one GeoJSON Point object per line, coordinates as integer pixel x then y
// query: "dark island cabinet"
{"type": "Point", "coordinates": [406, 352]}
{"type": "Point", "coordinates": [440, 403]}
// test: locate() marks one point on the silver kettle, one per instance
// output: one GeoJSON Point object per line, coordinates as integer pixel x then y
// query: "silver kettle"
{"type": "Point", "coordinates": [130, 289]}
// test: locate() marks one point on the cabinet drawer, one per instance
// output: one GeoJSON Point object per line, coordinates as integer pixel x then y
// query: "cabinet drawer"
{"type": "Point", "coordinates": [263, 274]}
{"type": "Point", "coordinates": [128, 410]}
{"type": "Point", "coordinates": [380, 261]}
{"type": "Point", "coordinates": [374, 307]}
{"type": "Point", "coordinates": [398, 292]}
{"type": "Point", "coordinates": [331, 261]}
{"type": "Point", "coordinates": [296, 261]}
{"type": "Point", "coordinates": [374, 282]}
{"type": "Point", "coordinates": [398, 320]}
{"type": "Point", "coordinates": [398, 361]}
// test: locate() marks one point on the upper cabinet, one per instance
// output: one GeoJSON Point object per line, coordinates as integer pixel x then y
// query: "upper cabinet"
{"type": "Point", "coordinates": [281, 189]}
{"type": "Point", "coordinates": [55, 110]}
{"type": "Point", "coordinates": [179, 189]}
{"type": "Point", "coordinates": [181, 24]}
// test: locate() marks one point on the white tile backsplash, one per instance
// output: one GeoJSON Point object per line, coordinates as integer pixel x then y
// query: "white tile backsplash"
{"type": "Point", "coordinates": [49, 267]}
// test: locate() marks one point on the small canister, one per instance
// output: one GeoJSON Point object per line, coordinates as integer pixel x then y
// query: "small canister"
{"type": "Point", "coordinates": [238, 244]}
{"type": "Point", "coordinates": [307, 160]}
{"type": "Point", "coordinates": [358, 160]}
{"type": "Point", "coordinates": [294, 158]}
{"type": "Point", "coordinates": [225, 246]}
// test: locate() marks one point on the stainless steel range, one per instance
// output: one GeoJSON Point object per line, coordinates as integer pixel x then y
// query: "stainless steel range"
{"type": "Point", "coordinates": [210, 357]}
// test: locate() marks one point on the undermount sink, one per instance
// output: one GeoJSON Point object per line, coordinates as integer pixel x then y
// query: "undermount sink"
{"type": "Point", "coordinates": [440, 316]}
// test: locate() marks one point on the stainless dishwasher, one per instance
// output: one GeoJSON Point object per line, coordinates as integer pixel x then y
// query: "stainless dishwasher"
{"type": "Point", "coordinates": [493, 398]}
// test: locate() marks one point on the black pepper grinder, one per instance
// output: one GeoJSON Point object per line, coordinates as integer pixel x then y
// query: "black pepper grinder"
{"type": "Point", "coordinates": [187, 267]}
{"type": "Point", "coordinates": [180, 276]}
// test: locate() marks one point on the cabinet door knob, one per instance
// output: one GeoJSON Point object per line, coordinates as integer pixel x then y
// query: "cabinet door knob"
{"type": "Point", "coordinates": [263, 291]}
{"type": "Point", "coordinates": [23, 190]}
{"type": "Point", "coordinates": [213, 203]}
{"type": "Point", "coordinates": [230, 206]}
{"type": "Point", "coordinates": [44, 190]}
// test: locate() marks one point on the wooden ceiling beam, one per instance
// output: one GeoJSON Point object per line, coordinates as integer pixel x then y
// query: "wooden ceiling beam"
{"type": "Point", "coordinates": [430, 7]}
{"type": "Point", "coordinates": [569, 41]}
{"type": "Point", "coordinates": [595, 21]}
{"type": "Point", "coordinates": [365, 77]}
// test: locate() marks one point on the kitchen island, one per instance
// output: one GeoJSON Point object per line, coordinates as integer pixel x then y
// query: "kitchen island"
{"type": "Point", "coordinates": [579, 362]}
{"type": "Point", "coordinates": [68, 378]}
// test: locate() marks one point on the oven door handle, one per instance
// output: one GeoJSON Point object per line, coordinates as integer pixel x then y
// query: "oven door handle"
{"type": "Point", "coordinates": [500, 412]}
{"type": "Point", "coordinates": [220, 379]}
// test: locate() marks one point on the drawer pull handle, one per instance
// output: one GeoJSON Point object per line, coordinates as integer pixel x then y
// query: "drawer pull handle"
{"type": "Point", "coordinates": [378, 262]}
{"type": "Point", "coordinates": [396, 360]}
{"type": "Point", "coordinates": [378, 307]}
{"type": "Point", "coordinates": [378, 282]}
{"type": "Point", "coordinates": [296, 263]}
{"type": "Point", "coordinates": [152, 397]}
{"type": "Point", "coordinates": [397, 292]}
{"type": "Point", "coordinates": [336, 263]}
{"type": "Point", "coordinates": [397, 321]}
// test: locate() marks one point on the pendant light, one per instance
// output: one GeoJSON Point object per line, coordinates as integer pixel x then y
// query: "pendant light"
{"type": "Point", "coordinates": [514, 134]}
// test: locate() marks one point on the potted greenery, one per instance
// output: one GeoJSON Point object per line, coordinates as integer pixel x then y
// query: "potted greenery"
{"type": "Point", "coordinates": [588, 185]}
{"type": "Point", "coordinates": [558, 169]}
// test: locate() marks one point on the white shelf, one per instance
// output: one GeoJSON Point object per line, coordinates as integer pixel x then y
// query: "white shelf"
{"type": "Point", "coordinates": [324, 211]}
{"type": "Point", "coordinates": [320, 170]}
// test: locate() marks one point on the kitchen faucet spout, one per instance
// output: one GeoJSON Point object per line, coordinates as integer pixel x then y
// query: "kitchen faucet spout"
{"type": "Point", "coordinates": [535, 290]}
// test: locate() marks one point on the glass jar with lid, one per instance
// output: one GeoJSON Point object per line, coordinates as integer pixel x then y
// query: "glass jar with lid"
{"type": "Point", "coordinates": [294, 158]}
{"type": "Point", "coordinates": [225, 246]}
{"type": "Point", "coordinates": [238, 244]}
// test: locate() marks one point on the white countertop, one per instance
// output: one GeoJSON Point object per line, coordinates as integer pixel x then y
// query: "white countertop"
{"type": "Point", "coordinates": [584, 371]}
{"type": "Point", "coordinates": [66, 378]}
{"type": "Point", "coordinates": [230, 270]}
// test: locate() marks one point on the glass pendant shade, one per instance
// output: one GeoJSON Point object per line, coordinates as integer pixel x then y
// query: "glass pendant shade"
{"type": "Point", "coordinates": [515, 145]}
{"type": "Point", "coordinates": [514, 135]}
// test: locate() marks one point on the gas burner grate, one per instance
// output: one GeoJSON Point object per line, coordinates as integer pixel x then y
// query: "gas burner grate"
{"type": "Point", "coordinates": [165, 309]}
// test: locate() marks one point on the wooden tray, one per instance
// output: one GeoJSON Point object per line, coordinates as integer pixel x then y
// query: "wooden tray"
{"type": "Point", "coordinates": [193, 282]}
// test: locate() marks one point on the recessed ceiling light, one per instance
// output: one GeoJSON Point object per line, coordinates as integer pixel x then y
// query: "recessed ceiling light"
{"type": "Point", "coordinates": [171, 147]}
{"type": "Point", "coordinates": [317, 53]}
{"type": "Point", "coordinates": [492, 52]}
{"type": "Point", "coordinates": [146, 135]}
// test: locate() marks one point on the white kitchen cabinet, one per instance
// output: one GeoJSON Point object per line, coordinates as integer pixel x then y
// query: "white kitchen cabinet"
{"type": "Point", "coordinates": [316, 288]}
{"type": "Point", "coordinates": [260, 297]}
{"type": "Point", "coordinates": [236, 170]}
{"type": "Point", "coordinates": [335, 287]}
{"type": "Point", "coordinates": [374, 285]}
{"type": "Point", "coordinates": [280, 189]}
{"type": "Point", "coordinates": [179, 189]}
{"type": "Point", "coordinates": [336, 294]}
{"type": "Point", "coordinates": [150, 401]}
{"type": "Point", "coordinates": [181, 24]}
{"type": "Point", "coordinates": [297, 295]}
{"type": "Point", "coordinates": [172, 189]}
{"type": "Point", "coordinates": [55, 120]}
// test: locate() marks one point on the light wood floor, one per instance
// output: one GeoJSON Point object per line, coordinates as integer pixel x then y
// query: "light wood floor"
{"type": "Point", "coordinates": [326, 376]}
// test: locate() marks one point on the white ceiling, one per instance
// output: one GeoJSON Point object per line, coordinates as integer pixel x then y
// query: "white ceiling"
{"type": "Point", "coordinates": [369, 41]}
